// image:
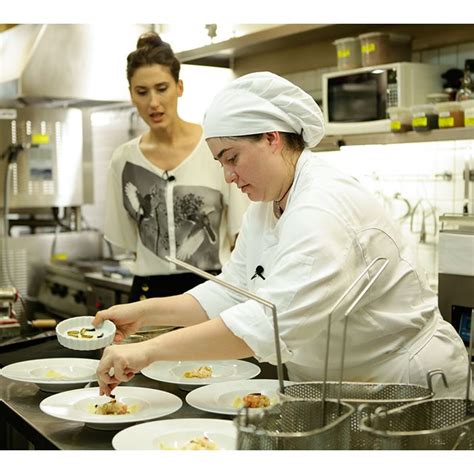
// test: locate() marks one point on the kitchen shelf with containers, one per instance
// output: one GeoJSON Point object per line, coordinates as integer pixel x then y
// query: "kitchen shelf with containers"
{"type": "Point", "coordinates": [379, 97]}
{"type": "Point", "coordinates": [334, 142]}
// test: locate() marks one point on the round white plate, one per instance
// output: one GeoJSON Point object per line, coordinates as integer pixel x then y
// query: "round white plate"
{"type": "Point", "coordinates": [78, 405]}
{"type": "Point", "coordinates": [226, 397]}
{"type": "Point", "coordinates": [53, 375]}
{"type": "Point", "coordinates": [174, 434]}
{"type": "Point", "coordinates": [222, 371]}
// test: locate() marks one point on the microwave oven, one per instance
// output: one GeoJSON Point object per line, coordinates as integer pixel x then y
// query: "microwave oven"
{"type": "Point", "coordinates": [356, 101]}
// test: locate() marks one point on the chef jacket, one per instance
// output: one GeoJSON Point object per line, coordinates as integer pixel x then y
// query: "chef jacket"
{"type": "Point", "coordinates": [331, 230]}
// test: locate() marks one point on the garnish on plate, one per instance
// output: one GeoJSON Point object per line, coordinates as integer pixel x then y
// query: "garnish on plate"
{"type": "Point", "coordinates": [203, 372]}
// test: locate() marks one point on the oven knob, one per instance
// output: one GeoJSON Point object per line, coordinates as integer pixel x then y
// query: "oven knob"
{"type": "Point", "coordinates": [62, 291]}
{"type": "Point", "coordinates": [79, 297]}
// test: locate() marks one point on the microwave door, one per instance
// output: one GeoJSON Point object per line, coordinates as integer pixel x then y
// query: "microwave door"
{"type": "Point", "coordinates": [357, 97]}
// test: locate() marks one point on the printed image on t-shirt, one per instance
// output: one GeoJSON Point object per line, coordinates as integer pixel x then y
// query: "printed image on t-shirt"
{"type": "Point", "coordinates": [194, 223]}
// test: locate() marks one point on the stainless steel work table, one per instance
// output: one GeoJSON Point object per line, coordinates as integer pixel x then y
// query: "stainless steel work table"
{"type": "Point", "coordinates": [19, 409]}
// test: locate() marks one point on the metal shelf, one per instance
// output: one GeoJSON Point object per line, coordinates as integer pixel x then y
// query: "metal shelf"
{"type": "Point", "coordinates": [334, 142]}
{"type": "Point", "coordinates": [223, 53]}
{"type": "Point", "coordinates": [282, 37]}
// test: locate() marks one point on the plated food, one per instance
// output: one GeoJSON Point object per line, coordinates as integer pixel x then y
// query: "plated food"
{"type": "Point", "coordinates": [79, 333]}
{"type": "Point", "coordinates": [200, 443]}
{"type": "Point", "coordinates": [132, 405]}
{"type": "Point", "coordinates": [204, 372]}
{"type": "Point", "coordinates": [53, 375]}
{"type": "Point", "coordinates": [114, 407]}
{"type": "Point", "coordinates": [188, 434]}
{"type": "Point", "coordinates": [227, 398]}
{"type": "Point", "coordinates": [253, 400]}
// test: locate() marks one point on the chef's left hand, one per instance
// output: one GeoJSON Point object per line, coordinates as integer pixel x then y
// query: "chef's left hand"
{"type": "Point", "coordinates": [120, 363]}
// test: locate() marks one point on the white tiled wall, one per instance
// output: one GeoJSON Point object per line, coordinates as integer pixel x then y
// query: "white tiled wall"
{"type": "Point", "coordinates": [412, 179]}
{"type": "Point", "coordinates": [109, 129]}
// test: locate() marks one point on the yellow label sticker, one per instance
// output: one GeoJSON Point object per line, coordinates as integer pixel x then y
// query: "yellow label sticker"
{"type": "Point", "coordinates": [469, 121]}
{"type": "Point", "coordinates": [343, 53]}
{"type": "Point", "coordinates": [39, 139]}
{"type": "Point", "coordinates": [59, 257]}
{"type": "Point", "coordinates": [368, 48]}
{"type": "Point", "coordinates": [396, 125]}
{"type": "Point", "coordinates": [419, 122]}
{"type": "Point", "coordinates": [445, 122]}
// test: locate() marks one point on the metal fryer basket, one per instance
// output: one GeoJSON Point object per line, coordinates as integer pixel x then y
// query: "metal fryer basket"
{"type": "Point", "coordinates": [296, 425]}
{"type": "Point", "coordinates": [364, 397]}
{"type": "Point", "coordinates": [442, 423]}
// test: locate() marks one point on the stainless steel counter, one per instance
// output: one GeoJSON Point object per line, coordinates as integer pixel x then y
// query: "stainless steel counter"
{"type": "Point", "coordinates": [20, 414]}
{"type": "Point", "coordinates": [23, 425]}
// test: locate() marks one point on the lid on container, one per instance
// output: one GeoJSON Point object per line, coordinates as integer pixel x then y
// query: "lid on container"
{"type": "Point", "coordinates": [397, 37]}
{"type": "Point", "coordinates": [398, 110]}
{"type": "Point", "coordinates": [467, 104]}
{"type": "Point", "coordinates": [349, 39]}
{"type": "Point", "coordinates": [448, 106]}
{"type": "Point", "coordinates": [423, 108]}
{"type": "Point", "coordinates": [372, 34]}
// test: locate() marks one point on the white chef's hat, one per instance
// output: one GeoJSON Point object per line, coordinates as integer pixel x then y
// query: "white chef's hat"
{"type": "Point", "coordinates": [264, 102]}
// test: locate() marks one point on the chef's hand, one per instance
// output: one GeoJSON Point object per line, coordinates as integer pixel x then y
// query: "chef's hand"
{"type": "Point", "coordinates": [126, 318]}
{"type": "Point", "coordinates": [120, 364]}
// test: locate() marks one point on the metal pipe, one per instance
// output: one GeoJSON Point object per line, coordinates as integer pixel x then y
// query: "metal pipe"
{"type": "Point", "coordinates": [346, 320]}
{"type": "Point", "coordinates": [8, 294]}
{"type": "Point", "coordinates": [249, 295]}
{"type": "Point", "coordinates": [328, 338]}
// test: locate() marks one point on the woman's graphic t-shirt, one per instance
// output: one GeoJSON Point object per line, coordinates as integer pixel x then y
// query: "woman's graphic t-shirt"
{"type": "Point", "coordinates": [190, 212]}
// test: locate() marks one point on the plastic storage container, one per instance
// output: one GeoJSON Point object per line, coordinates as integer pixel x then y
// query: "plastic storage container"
{"type": "Point", "coordinates": [348, 53]}
{"type": "Point", "coordinates": [400, 119]}
{"type": "Point", "coordinates": [381, 48]}
{"type": "Point", "coordinates": [468, 108]}
{"type": "Point", "coordinates": [450, 114]}
{"type": "Point", "coordinates": [424, 117]}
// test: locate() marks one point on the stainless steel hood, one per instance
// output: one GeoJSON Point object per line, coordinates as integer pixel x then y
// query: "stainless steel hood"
{"type": "Point", "coordinates": [71, 64]}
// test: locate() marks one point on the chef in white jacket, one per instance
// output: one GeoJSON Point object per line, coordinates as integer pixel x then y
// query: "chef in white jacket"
{"type": "Point", "coordinates": [309, 233]}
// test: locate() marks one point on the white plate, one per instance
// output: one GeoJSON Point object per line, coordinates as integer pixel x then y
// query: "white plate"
{"type": "Point", "coordinates": [174, 434]}
{"type": "Point", "coordinates": [78, 405]}
{"type": "Point", "coordinates": [225, 398]}
{"type": "Point", "coordinates": [222, 371]}
{"type": "Point", "coordinates": [53, 375]}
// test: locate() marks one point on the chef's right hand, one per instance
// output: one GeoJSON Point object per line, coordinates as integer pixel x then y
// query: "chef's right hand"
{"type": "Point", "coordinates": [126, 317]}
{"type": "Point", "coordinates": [120, 363]}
